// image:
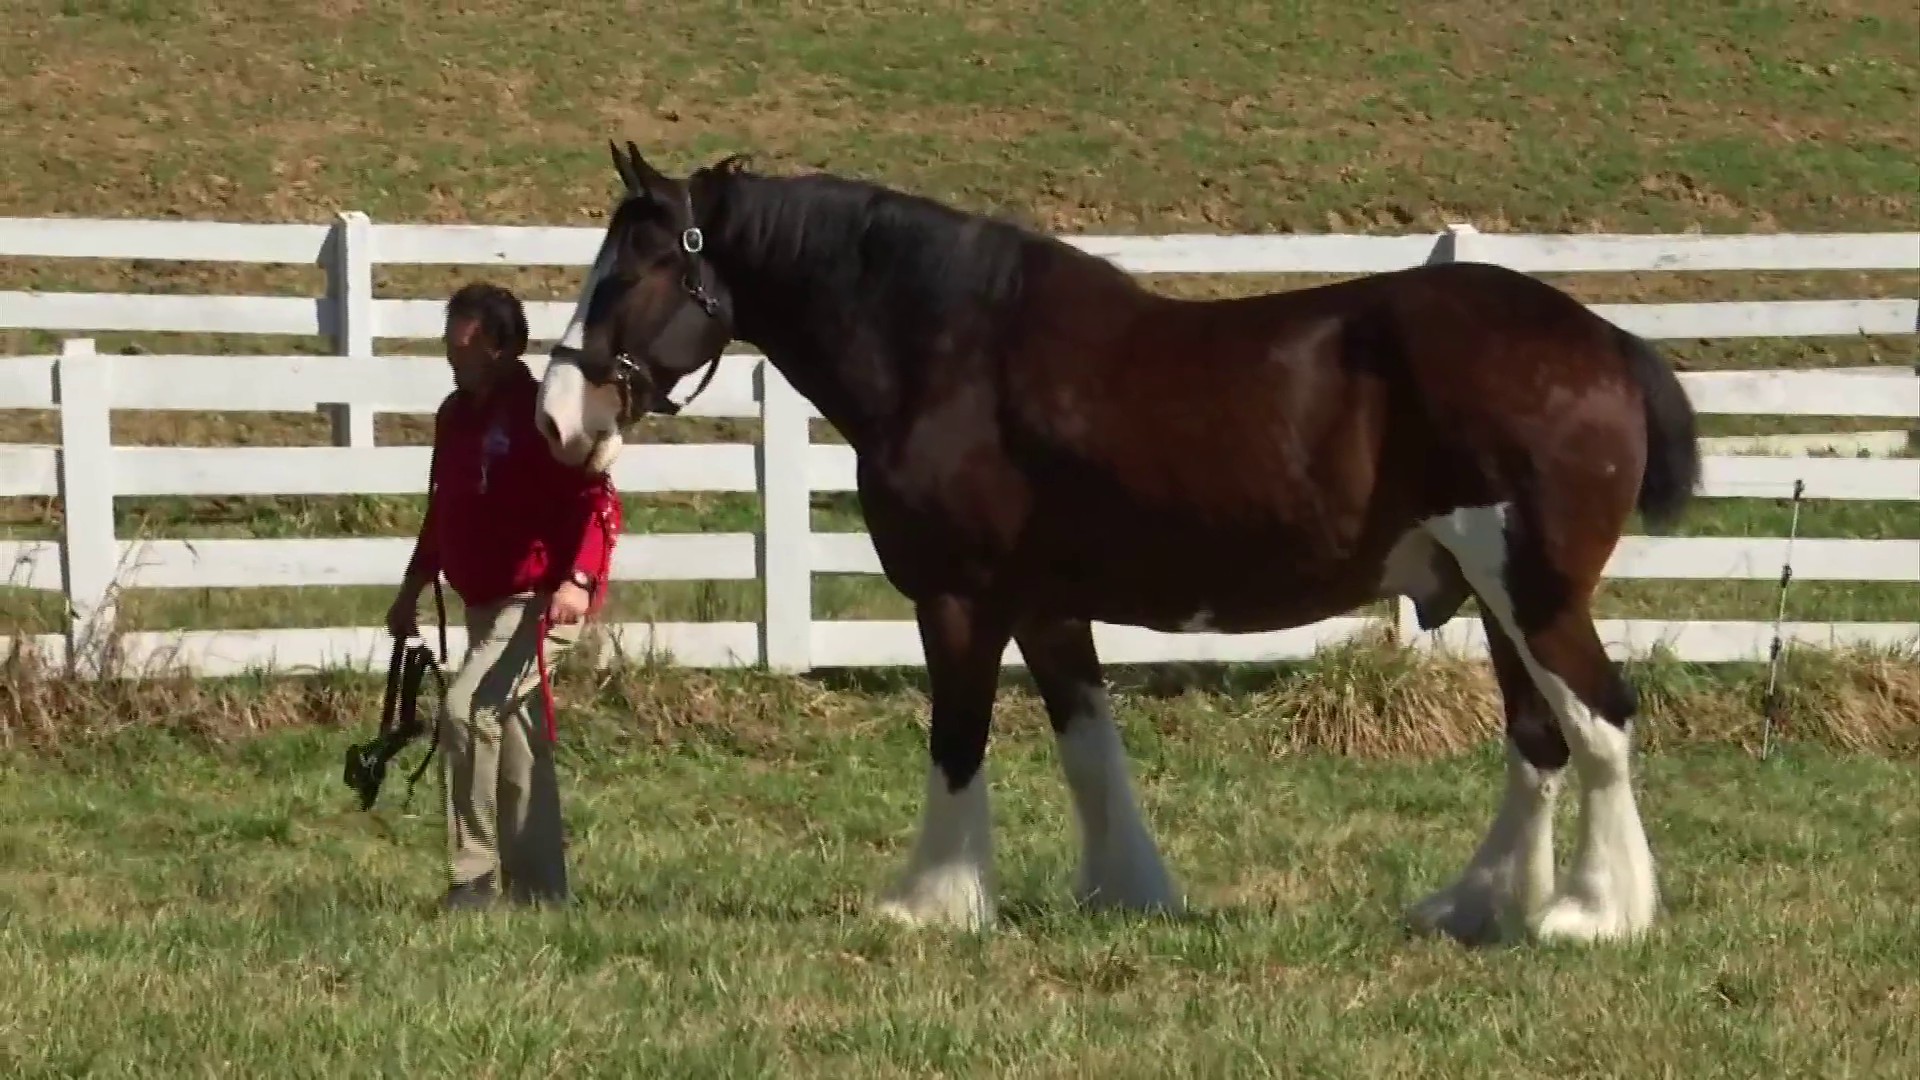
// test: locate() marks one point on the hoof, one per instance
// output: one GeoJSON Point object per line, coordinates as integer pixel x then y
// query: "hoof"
{"type": "Point", "coordinates": [1123, 871]}
{"type": "Point", "coordinates": [920, 917]}
{"type": "Point", "coordinates": [1152, 894]}
{"type": "Point", "coordinates": [1467, 913]}
{"type": "Point", "coordinates": [955, 900]}
{"type": "Point", "coordinates": [1577, 919]}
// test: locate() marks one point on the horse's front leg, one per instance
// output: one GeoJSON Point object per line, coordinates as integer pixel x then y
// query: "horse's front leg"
{"type": "Point", "coordinates": [1120, 866]}
{"type": "Point", "coordinates": [949, 876]}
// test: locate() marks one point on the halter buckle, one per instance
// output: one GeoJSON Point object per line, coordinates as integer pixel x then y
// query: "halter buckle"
{"type": "Point", "coordinates": [693, 241]}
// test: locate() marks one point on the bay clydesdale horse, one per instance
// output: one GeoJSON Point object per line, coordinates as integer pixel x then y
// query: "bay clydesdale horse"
{"type": "Point", "coordinates": [1043, 443]}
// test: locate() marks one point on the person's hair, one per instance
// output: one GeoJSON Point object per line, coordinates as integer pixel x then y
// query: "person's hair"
{"type": "Point", "coordinates": [500, 314]}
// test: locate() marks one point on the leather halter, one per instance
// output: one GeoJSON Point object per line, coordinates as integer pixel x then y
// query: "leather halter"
{"type": "Point", "coordinates": [692, 242]}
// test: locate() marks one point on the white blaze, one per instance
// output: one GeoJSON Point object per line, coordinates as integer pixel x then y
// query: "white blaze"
{"type": "Point", "coordinates": [575, 335]}
{"type": "Point", "coordinates": [560, 411]}
{"type": "Point", "coordinates": [580, 428]}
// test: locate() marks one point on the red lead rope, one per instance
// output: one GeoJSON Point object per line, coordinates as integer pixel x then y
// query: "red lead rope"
{"type": "Point", "coordinates": [546, 682]}
{"type": "Point", "coordinates": [546, 624]}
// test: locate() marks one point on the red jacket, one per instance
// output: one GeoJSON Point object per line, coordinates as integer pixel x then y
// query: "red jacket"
{"type": "Point", "coordinates": [503, 516]}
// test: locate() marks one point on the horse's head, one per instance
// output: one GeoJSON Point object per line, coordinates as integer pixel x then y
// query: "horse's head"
{"type": "Point", "coordinates": [651, 312]}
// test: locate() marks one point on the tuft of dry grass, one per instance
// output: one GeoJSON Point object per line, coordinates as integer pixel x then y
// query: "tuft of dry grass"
{"type": "Point", "coordinates": [1374, 698]}
{"type": "Point", "coordinates": [1867, 701]}
{"type": "Point", "coordinates": [46, 707]}
{"type": "Point", "coordinates": [1861, 700]}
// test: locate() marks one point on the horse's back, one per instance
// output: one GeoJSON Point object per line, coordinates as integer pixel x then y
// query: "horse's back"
{"type": "Point", "coordinates": [1311, 388]}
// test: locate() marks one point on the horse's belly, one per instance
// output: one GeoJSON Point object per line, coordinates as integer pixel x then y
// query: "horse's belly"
{"type": "Point", "coordinates": [1227, 588]}
{"type": "Point", "coordinates": [1249, 612]}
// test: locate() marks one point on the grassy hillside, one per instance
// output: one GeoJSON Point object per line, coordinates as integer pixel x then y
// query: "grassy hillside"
{"type": "Point", "coordinates": [1128, 116]}
{"type": "Point", "coordinates": [1135, 117]}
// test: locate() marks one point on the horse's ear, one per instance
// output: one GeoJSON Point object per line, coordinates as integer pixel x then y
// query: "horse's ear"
{"type": "Point", "coordinates": [628, 179]}
{"type": "Point", "coordinates": [640, 177]}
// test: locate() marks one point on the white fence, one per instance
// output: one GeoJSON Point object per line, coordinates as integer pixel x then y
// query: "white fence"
{"type": "Point", "coordinates": [89, 563]}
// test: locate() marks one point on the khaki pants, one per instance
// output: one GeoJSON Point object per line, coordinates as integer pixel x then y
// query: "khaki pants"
{"type": "Point", "coordinates": [502, 796]}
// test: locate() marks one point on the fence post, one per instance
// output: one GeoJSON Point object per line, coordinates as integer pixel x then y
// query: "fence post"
{"type": "Point", "coordinates": [785, 548]}
{"type": "Point", "coordinates": [89, 550]}
{"type": "Point", "coordinates": [1460, 242]}
{"type": "Point", "coordinates": [350, 280]}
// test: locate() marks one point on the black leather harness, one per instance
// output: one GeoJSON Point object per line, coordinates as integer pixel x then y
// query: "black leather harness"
{"type": "Point", "coordinates": [400, 722]}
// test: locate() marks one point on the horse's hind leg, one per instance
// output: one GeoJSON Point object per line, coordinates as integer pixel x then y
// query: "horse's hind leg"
{"type": "Point", "coordinates": [1120, 866]}
{"type": "Point", "coordinates": [1542, 606]}
{"type": "Point", "coordinates": [1509, 879]}
{"type": "Point", "coordinates": [1609, 892]}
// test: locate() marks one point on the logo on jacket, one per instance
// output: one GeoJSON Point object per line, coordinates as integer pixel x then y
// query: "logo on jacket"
{"type": "Point", "coordinates": [494, 444]}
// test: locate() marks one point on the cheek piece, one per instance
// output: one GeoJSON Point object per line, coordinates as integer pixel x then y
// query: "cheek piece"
{"type": "Point", "coordinates": [691, 331]}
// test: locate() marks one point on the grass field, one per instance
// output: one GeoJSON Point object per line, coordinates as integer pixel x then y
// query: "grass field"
{"type": "Point", "coordinates": [188, 887]}
{"type": "Point", "coordinates": [180, 901]}
{"type": "Point", "coordinates": [183, 888]}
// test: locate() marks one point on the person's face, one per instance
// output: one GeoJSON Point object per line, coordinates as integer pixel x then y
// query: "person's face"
{"type": "Point", "coordinates": [474, 357]}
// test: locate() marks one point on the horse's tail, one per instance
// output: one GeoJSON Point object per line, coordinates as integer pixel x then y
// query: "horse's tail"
{"type": "Point", "coordinates": [1673, 448]}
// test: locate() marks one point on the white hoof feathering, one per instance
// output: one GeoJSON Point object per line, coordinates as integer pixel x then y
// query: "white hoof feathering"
{"type": "Point", "coordinates": [949, 877]}
{"type": "Point", "coordinates": [1609, 893]}
{"type": "Point", "coordinates": [1510, 876]}
{"type": "Point", "coordinates": [1120, 866]}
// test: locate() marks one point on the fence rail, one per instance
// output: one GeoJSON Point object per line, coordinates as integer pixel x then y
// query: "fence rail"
{"type": "Point", "coordinates": [89, 563]}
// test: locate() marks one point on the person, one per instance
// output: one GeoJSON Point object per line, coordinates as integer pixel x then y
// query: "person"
{"type": "Point", "coordinates": [526, 543]}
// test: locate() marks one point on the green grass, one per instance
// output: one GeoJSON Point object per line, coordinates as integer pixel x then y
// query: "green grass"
{"type": "Point", "coordinates": [1209, 114]}
{"type": "Point", "coordinates": [167, 907]}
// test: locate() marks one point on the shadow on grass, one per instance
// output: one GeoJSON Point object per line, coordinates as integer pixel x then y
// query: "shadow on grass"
{"type": "Point", "coordinates": [1033, 915]}
{"type": "Point", "coordinates": [1165, 681]}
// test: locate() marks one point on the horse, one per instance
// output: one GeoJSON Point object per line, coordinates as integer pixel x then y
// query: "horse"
{"type": "Point", "coordinates": [1044, 443]}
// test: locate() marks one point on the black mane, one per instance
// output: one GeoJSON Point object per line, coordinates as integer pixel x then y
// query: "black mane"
{"type": "Point", "coordinates": [916, 267]}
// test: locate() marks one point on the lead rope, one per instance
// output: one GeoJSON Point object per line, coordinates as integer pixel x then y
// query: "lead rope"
{"type": "Point", "coordinates": [546, 681]}
{"type": "Point", "coordinates": [420, 667]}
{"type": "Point", "coordinates": [427, 665]}
{"type": "Point", "coordinates": [546, 626]}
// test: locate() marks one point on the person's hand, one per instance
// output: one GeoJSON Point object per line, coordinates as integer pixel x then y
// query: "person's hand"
{"type": "Point", "coordinates": [403, 618]}
{"type": "Point", "coordinates": [569, 604]}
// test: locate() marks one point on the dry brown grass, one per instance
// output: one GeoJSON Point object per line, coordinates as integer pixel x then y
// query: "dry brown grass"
{"type": "Point", "coordinates": [1367, 699]}
{"type": "Point", "coordinates": [1370, 698]}
{"type": "Point", "coordinates": [44, 707]}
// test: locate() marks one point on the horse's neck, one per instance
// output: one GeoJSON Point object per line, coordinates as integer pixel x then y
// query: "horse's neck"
{"type": "Point", "coordinates": [811, 374]}
{"type": "Point", "coordinates": [851, 384]}
{"type": "Point", "coordinates": [844, 350]}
